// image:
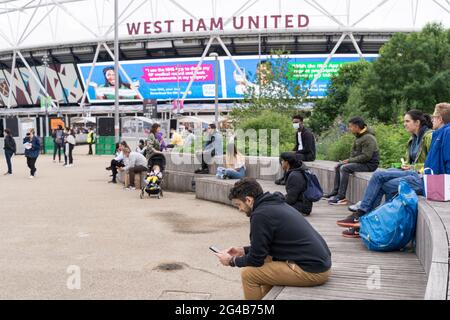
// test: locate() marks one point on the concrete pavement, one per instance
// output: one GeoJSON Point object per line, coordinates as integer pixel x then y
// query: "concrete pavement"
{"type": "Point", "coordinates": [70, 219]}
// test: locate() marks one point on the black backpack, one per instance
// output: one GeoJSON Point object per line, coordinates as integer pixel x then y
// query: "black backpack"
{"type": "Point", "coordinates": [313, 190]}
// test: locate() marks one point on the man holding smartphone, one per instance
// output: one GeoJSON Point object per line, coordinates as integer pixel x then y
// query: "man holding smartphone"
{"type": "Point", "coordinates": [285, 249]}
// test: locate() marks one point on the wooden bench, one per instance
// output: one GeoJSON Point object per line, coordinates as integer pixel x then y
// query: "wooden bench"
{"type": "Point", "coordinates": [426, 271]}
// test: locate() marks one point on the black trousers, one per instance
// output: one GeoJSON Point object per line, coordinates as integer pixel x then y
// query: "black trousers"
{"type": "Point", "coordinates": [71, 147]}
{"type": "Point", "coordinates": [114, 165]}
{"type": "Point", "coordinates": [57, 148]}
{"type": "Point", "coordinates": [31, 163]}
{"type": "Point", "coordinates": [90, 148]}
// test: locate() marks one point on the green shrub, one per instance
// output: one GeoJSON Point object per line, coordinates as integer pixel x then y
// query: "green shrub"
{"type": "Point", "coordinates": [268, 120]}
{"type": "Point", "coordinates": [392, 141]}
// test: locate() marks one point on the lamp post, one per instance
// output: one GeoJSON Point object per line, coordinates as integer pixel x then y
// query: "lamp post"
{"type": "Point", "coordinates": [116, 71]}
{"type": "Point", "coordinates": [216, 95]}
{"type": "Point", "coordinates": [45, 61]}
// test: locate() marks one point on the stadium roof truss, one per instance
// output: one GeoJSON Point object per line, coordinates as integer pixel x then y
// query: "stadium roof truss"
{"type": "Point", "coordinates": [43, 18]}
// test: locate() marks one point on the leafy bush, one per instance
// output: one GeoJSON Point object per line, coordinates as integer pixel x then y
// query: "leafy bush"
{"type": "Point", "coordinates": [268, 120]}
{"type": "Point", "coordinates": [392, 140]}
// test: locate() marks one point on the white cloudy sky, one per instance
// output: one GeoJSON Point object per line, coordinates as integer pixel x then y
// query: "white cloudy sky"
{"type": "Point", "coordinates": [97, 15]}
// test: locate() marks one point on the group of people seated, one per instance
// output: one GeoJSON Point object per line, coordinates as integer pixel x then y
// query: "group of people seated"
{"type": "Point", "coordinates": [284, 248]}
{"type": "Point", "coordinates": [148, 157]}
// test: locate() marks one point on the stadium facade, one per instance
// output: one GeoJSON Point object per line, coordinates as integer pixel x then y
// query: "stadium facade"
{"type": "Point", "coordinates": [47, 47]}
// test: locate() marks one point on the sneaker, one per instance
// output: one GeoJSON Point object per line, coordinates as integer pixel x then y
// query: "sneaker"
{"type": "Point", "coordinates": [112, 181]}
{"type": "Point", "coordinates": [328, 196]}
{"type": "Point", "coordinates": [351, 233]}
{"type": "Point", "coordinates": [355, 207]}
{"type": "Point", "coordinates": [352, 221]}
{"type": "Point", "coordinates": [338, 201]}
{"type": "Point", "coordinates": [31, 177]}
{"type": "Point", "coordinates": [7, 174]}
{"type": "Point", "coordinates": [130, 188]}
{"type": "Point", "coordinates": [202, 171]}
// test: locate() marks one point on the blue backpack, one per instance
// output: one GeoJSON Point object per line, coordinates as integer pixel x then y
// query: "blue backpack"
{"type": "Point", "coordinates": [391, 226]}
{"type": "Point", "coordinates": [313, 190]}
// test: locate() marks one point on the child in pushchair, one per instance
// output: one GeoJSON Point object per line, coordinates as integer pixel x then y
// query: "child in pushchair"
{"type": "Point", "coordinates": [153, 183]}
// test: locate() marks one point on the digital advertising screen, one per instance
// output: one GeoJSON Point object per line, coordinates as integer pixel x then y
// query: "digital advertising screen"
{"type": "Point", "coordinates": [162, 79]}
{"type": "Point", "coordinates": [167, 79]}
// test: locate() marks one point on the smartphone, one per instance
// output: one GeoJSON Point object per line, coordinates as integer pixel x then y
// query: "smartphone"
{"type": "Point", "coordinates": [214, 249]}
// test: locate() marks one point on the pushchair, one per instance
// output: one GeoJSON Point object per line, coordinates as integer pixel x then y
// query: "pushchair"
{"type": "Point", "coordinates": [153, 186]}
{"type": "Point", "coordinates": [153, 182]}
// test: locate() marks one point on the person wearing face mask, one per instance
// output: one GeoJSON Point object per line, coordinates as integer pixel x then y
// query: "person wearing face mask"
{"type": "Point", "coordinates": [305, 144]}
{"type": "Point", "coordinates": [32, 148]}
{"type": "Point", "coordinates": [285, 249]}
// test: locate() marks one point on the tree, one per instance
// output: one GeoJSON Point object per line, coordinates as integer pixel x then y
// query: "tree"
{"type": "Point", "coordinates": [413, 71]}
{"type": "Point", "coordinates": [328, 108]}
{"type": "Point", "coordinates": [275, 87]}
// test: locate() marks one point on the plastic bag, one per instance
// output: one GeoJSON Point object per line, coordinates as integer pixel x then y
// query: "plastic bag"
{"type": "Point", "coordinates": [391, 226]}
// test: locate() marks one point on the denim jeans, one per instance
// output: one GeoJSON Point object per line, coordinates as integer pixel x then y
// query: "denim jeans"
{"type": "Point", "coordinates": [385, 183]}
{"type": "Point", "coordinates": [230, 173]}
{"type": "Point", "coordinates": [8, 156]}
{"type": "Point", "coordinates": [342, 173]}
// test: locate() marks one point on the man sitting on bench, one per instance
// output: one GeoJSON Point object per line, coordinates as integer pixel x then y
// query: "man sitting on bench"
{"type": "Point", "coordinates": [285, 249]}
{"type": "Point", "coordinates": [135, 162]}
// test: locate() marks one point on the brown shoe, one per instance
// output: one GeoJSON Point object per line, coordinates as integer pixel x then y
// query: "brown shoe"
{"type": "Point", "coordinates": [352, 221]}
{"type": "Point", "coordinates": [351, 233]}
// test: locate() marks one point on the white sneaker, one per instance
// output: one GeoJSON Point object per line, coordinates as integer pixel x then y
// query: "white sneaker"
{"type": "Point", "coordinates": [130, 188]}
{"type": "Point", "coordinates": [7, 174]}
{"type": "Point", "coordinates": [355, 207]}
{"type": "Point", "coordinates": [31, 177]}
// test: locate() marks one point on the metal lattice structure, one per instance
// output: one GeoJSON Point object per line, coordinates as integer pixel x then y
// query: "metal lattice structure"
{"type": "Point", "coordinates": [83, 29]}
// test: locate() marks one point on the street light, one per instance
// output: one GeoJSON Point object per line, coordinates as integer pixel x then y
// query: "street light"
{"type": "Point", "coordinates": [45, 61]}
{"type": "Point", "coordinates": [216, 95]}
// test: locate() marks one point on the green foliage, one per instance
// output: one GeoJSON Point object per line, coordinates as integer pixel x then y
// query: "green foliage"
{"type": "Point", "coordinates": [273, 88]}
{"type": "Point", "coordinates": [327, 109]}
{"type": "Point", "coordinates": [392, 142]}
{"type": "Point", "coordinates": [267, 120]}
{"type": "Point", "coordinates": [412, 72]}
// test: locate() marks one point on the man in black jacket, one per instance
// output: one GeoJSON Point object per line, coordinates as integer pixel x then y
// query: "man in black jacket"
{"type": "Point", "coordinates": [295, 183]}
{"type": "Point", "coordinates": [285, 249]}
{"type": "Point", "coordinates": [10, 150]}
{"type": "Point", "coordinates": [305, 144]}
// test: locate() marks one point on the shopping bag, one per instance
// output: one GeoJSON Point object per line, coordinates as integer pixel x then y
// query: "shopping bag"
{"type": "Point", "coordinates": [437, 186]}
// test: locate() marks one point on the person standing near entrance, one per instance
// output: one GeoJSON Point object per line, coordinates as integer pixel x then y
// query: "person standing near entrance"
{"type": "Point", "coordinates": [58, 139]}
{"type": "Point", "coordinates": [32, 148]}
{"type": "Point", "coordinates": [70, 145]}
{"type": "Point", "coordinates": [10, 150]}
{"type": "Point", "coordinates": [90, 140]}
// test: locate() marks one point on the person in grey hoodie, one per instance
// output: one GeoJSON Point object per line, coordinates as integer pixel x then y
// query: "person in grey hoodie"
{"type": "Point", "coordinates": [135, 162]}
{"type": "Point", "coordinates": [10, 150]}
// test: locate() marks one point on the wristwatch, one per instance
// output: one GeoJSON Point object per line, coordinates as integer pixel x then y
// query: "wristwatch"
{"type": "Point", "coordinates": [232, 262]}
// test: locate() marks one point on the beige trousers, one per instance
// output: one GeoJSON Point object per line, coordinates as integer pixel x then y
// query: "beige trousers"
{"type": "Point", "coordinates": [257, 282]}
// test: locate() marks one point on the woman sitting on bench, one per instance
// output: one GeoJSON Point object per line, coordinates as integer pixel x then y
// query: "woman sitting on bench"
{"type": "Point", "coordinates": [234, 164]}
